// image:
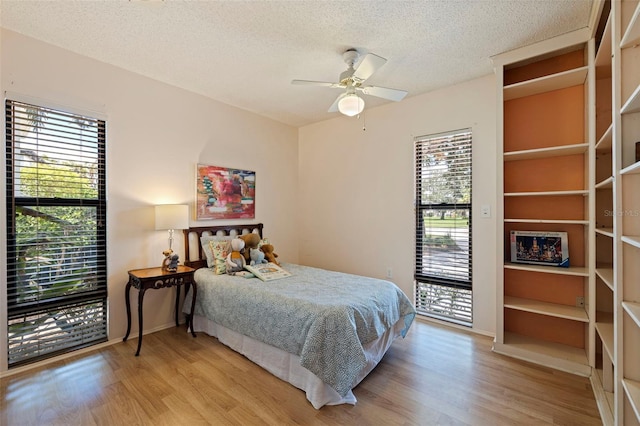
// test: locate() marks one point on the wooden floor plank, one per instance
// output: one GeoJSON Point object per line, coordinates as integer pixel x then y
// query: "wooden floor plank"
{"type": "Point", "coordinates": [436, 376]}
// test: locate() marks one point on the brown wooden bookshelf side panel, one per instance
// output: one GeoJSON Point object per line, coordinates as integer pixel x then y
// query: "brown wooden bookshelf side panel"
{"type": "Point", "coordinates": [604, 166]}
{"type": "Point", "coordinates": [604, 208]}
{"type": "Point", "coordinates": [631, 272]}
{"type": "Point", "coordinates": [604, 250]}
{"type": "Point", "coordinates": [604, 297]}
{"type": "Point", "coordinates": [568, 207]}
{"type": "Point", "coordinates": [630, 63]}
{"type": "Point", "coordinates": [631, 203]}
{"type": "Point", "coordinates": [631, 349]}
{"type": "Point", "coordinates": [543, 327]}
{"type": "Point", "coordinates": [630, 136]}
{"type": "Point", "coordinates": [545, 120]}
{"type": "Point", "coordinates": [603, 106]}
{"type": "Point", "coordinates": [553, 65]}
{"type": "Point", "coordinates": [552, 288]}
{"type": "Point", "coordinates": [565, 173]}
{"type": "Point", "coordinates": [576, 235]}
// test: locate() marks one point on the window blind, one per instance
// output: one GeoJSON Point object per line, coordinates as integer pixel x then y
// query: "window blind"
{"type": "Point", "coordinates": [56, 231]}
{"type": "Point", "coordinates": [443, 225]}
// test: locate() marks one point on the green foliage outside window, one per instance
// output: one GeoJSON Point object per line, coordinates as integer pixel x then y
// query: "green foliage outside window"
{"type": "Point", "coordinates": [57, 239]}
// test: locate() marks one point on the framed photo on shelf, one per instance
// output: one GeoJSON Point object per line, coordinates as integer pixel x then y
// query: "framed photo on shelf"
{"type": "Point", "coordinates": [540, 248]}
{"type": "Point", "coordinates": [224, 193]}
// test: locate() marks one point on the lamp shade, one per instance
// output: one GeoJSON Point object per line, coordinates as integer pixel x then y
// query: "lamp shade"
{"type": "Point", "coordinates": [172, 216]}
{"type": "Point", "coordinates": [351, 104]}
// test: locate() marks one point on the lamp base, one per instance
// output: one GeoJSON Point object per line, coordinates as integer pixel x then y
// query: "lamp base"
{"type": "Point", "coordinates": [170, 262]}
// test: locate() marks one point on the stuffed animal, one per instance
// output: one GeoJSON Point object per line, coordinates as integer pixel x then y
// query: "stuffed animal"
{"type": "Point", "coordinates": [257, 257]}
{"type": "Point", "coordinates": [170, 262]}
{"type": "Point", "coordinates": [267, 249]}
{"type": "Point", "coordinates": [235, 259]}
{"type": "Point", "coordinates": [250, 241]}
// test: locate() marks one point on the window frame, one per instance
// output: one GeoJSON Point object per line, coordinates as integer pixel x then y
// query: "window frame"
{"type": "Point", "coordinates": [93, 299]}
{"type": "Point", "coordinates": [425, 283]}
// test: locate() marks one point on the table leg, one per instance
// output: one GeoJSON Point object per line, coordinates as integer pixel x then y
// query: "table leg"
{"type": "Point", "coordinates": [177, 303]}
{"type": "Point", "coordinates": [194, 293]}
{"type": "Point", "coordinates": [140, 298]}
{"type": "Point", "coordinates": [128, 304]}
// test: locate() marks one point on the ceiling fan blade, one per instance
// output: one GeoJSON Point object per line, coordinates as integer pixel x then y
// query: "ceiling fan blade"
{"type": "Point", "coordinates": [385, 93]}
{"type": "Point", "coordinates": [317, 83]}
{"type": "Point", "coordinates": [334, 105]}
{"type": "Point", "coordinates": [368, 66]}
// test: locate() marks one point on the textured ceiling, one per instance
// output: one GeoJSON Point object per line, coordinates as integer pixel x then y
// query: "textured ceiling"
{"type": "Point", "coordinates": [246, 53]}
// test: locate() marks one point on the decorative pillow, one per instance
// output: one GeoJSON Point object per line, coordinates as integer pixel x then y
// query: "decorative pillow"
{"type": "Point", "coordinates": [220, 250]}
{"type": "Point", "coordinates": [206, 248]}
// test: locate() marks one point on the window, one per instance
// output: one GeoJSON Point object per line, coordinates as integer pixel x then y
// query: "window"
{"type": "Point", "coordinates": [443, 226]}
{"type": "Point", "coordinates": [56, 232]}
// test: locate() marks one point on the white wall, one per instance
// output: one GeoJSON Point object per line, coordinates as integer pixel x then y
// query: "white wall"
{"type": "Point", "coordinates": [357, 188]}
{"type": "Point", "coordinates": [156, 134]}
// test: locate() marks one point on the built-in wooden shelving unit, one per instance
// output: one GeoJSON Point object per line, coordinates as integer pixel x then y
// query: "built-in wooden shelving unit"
{"type": "Point", "coordinates": [586, 318]}
{"type": "Point", "coordinates": [544, 309]}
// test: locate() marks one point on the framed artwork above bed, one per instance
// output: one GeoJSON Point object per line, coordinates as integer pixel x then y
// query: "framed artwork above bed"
{"type": "Point", "coordinates": [224, 193]}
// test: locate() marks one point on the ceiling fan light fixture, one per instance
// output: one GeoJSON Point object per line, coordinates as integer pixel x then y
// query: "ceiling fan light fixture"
{"type": "Point", "coordinates": [351, 104]}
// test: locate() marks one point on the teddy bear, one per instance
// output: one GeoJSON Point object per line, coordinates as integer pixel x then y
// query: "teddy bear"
{"type": "Point", "coordinates": [250, 241]}
{"type": "Point", "coordinates": [269, 254]}
{"type": "Point", "coordinates": [257, 257]}
{"type": "Point", "coordinates": [170, 262]}
{"type": "Point", "coordinates": [235, 260]}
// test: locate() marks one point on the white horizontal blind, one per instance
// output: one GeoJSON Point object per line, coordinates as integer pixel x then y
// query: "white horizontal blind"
{"type": "Point", "coordinates": [56, 229]}
{"type": "Point", "coordinates": [443, 225]}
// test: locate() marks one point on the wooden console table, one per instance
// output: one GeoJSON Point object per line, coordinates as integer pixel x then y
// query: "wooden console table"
{"type": "Point", "coordinates": [156, 278]}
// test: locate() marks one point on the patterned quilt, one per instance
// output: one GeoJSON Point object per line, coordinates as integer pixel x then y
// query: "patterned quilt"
{"type": "Point", "coordinates": [322, 316]}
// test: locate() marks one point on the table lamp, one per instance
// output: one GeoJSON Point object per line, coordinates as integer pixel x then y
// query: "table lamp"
{"type": "Point", "coordinates": [171, 217]}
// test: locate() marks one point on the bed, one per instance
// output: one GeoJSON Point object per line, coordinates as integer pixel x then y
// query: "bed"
{"type": "Point", "coordinates": [321, 331]}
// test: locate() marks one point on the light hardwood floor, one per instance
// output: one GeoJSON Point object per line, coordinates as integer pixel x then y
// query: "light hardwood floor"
{"type": "Point", "coordinates": [436, 376]}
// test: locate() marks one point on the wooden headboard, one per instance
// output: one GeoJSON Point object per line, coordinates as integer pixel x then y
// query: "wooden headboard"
{"type": "Point", "coordinates": [194, 255]}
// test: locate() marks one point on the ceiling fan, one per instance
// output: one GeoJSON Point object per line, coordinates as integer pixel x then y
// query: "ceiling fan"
{"type": "Point", "coordinates": [351, 80]}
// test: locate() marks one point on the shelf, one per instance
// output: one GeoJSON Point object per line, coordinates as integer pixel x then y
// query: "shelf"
{"type": "Point", "coordinates": [544, 308]}
{"type": "Point", "coordinates": [632, 389]}
{"type": "Point", "coordinates": [553, 355]}
{"type": "Point", "coordinates": [606, 141]}
{"type": "Point", "coordinates": [547, 83]}
{"type": "Point", "coordinates": [572, 270]}
{"type": "Point", "coordinates": [608, 232]}
{"type": "Point", "coordinates": [633, 241]}
{"type": "Point", "coordinates": [605, 184]}
{"type": "Point", "coordinates": [606, 275]}
{"type": "Point", "coordinates": [604, 399]}
{"type": "Point", "coordinates": [633, 309]}
{"type": "Point", "coordinates": [633, 103]}
{"type": "Point", "coordinates": [562, 222]}
{"type": "Point", "coordinates": [631, 170]}
{"type": "Point", "coordinates": [605, 331]}
{"type": "Point", "coordinates": [546, 193]}
{"type": "Point", "coordinates": [631, 36]}
{"type": "Point", "coordinates": [555, 151]}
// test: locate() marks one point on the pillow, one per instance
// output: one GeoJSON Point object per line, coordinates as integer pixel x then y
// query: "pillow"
{"type": "Point", "coordinates": [220, 250]}
{"type": "Point", "coordinates": [206, 248]}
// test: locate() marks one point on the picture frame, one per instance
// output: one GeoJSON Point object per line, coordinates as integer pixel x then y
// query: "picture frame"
{"type": "Point", "coordinates": [224, 193]}
{"type": "Point", "coordinates": [540, 248]}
